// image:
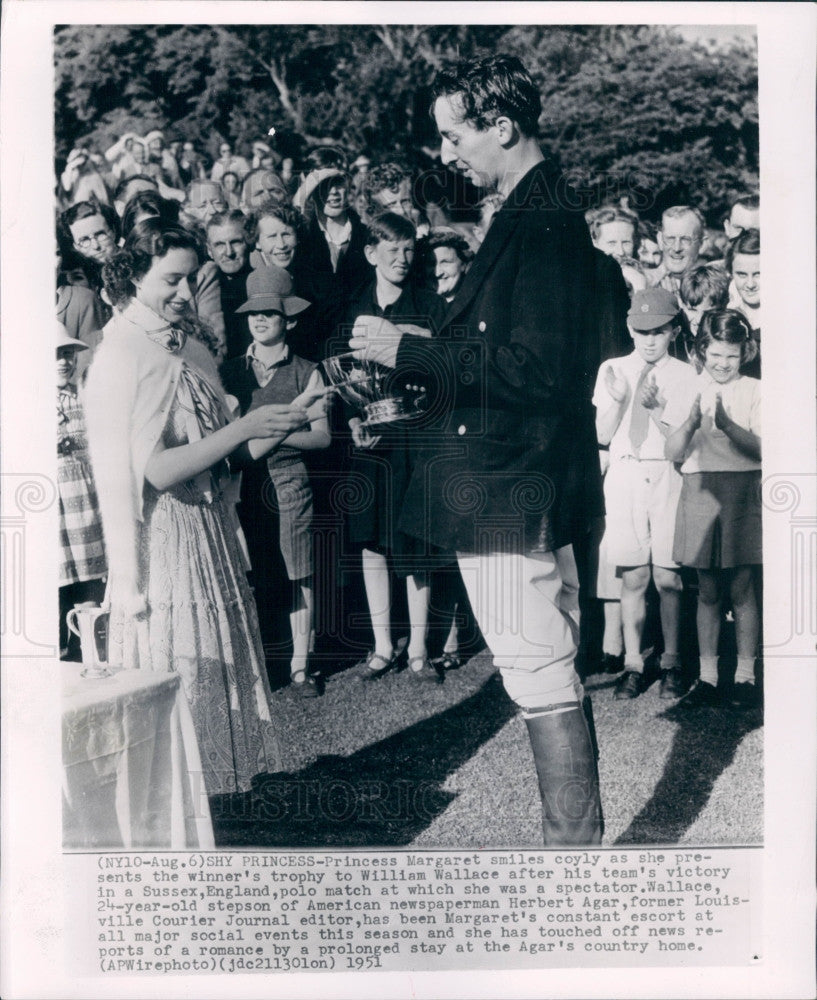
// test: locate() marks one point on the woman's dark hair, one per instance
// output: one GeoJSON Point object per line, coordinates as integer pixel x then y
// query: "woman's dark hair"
{"type": "Point", "coordinates": [728, 326]}
{"type": "Point", "coordinates": [488, 88]}
{"type": "Point", "coordinates": [647, 231]}
{"type": "Point", "coordinates": [152, 202]}
{"type": "Point", "coordinates": [272, 209]}
{"type": "Point", "coordinates": [84, 210]}
{"type": "Point", "coordinates": [146, 241]}
{"type": "Point", "coordinates": [424, 263]}
{"type": "Point", "coordinates": [70, 260]}
{"type": "Point", "coordinates": [125, 183]}
{"type": "Point", "coordinates": [747, 242]}
{"type": "Point", "coordinates": [389, 226]}
{"type": "Point", "coordinates": [325, 157]}
{"type": "Point", "coordinates": [448, 238]}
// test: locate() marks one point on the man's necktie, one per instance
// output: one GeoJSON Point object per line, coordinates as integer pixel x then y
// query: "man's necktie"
{"type": "Point", "coordinates": [640, 419]}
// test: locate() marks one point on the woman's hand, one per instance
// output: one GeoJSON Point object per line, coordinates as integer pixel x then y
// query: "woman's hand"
{"type": "Point", "coordinates": [695, 415]}
{"type": "Point", "coordinates": [722, 420]}
{"type": "Point", "coordinates": [274, 419]}
{"type": "Point", "coordinates": [314, 400]}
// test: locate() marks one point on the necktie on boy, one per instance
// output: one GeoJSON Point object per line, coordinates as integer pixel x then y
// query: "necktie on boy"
{"type": "Point", "coordinates": [640, 417]}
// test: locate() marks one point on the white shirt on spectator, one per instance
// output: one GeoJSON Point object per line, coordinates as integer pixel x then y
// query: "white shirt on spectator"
{"type": "Point", "coordinates": [710, 450]}
{"type": "Point", "coordinates": [670, 374]}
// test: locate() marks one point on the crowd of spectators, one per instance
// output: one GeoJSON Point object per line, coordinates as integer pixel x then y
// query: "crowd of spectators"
{"type": "Point", "coordinates": [292, 252]}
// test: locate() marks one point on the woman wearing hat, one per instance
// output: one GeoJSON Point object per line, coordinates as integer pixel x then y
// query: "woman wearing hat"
{"type": "Point", "coordinates": [159, 433]}
{"type": "Point", "coordinates": [336, 236]}
{"type": "Point", "coordinates": [83, 565]}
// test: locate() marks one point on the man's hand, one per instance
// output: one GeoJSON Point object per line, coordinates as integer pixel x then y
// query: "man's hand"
{"type": "Point", "coordinates": [362, 437]}
{"type": "Point", "coordinates": [649, 394]}
{"type": "Point", "coordinates": [615, 384]}
{"type": "Point", "coordinates": [414, 330]}
{"type": "Point", "coordinates": [375, 339]}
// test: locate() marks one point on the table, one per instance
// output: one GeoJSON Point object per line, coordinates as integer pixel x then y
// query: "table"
{"type": "Point", "coordinates": [132, 776]}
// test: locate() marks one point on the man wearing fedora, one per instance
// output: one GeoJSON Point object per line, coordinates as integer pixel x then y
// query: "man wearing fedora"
{"type": "Point", "coordinates": [513, 479]}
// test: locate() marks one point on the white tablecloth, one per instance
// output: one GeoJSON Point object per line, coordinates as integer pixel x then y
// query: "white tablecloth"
{"type": "Point", "coordinates": [132, 776]}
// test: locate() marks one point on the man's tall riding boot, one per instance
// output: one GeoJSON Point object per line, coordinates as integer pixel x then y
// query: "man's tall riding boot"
{"type": "Point", "coordinates": [568, 777]}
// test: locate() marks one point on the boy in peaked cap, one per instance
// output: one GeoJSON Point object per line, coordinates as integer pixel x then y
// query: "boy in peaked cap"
{"type": "Point", "coordinates": [270, 373]}
{"type": "Point", "coordinates": [642, 488]}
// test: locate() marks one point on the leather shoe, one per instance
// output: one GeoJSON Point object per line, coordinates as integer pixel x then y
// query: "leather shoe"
{"type": "Point", "coordinates": [304, 684]}
{"type": "Point", "coordinates": [422, 669]}
{"type": "Point", "coordinates": [701, 695]}
{"type": "Point", "coordinates": [672, 683]}
{"type": "Point", "coordinates": [447, 661]}
{"type": "Point", "coordinates": [377, 666]}
{"type": "Point", "coordinates": [745, 697]}
{"type": "Point", "coordinates": [628, 686]}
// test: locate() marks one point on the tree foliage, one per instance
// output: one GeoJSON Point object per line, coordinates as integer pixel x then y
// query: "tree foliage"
{"type": "Point", "coordinates": [625, 107]}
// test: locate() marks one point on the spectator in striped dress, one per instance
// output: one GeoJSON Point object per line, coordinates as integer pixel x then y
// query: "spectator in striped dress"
{"type": "Point", "coordinates": [83, 566]}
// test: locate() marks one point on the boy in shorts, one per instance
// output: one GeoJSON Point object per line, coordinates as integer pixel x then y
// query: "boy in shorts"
{"type": "Point", "coordinates": [642, 488]}
{"type": "Point", "coordinates": [270, 373]}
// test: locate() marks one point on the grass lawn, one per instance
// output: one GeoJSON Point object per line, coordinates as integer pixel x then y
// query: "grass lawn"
{"type": "Point", "coordinates": [400, 763]}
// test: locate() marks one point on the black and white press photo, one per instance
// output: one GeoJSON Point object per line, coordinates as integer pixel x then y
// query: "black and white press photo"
{"type": "Point", "coordinates": [495, 581]}
{"type": "Point", "coordinates": [411, 570]}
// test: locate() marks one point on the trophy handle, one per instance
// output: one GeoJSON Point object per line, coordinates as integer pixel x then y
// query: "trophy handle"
{"type": "Point", "coordinates": [71, 621]}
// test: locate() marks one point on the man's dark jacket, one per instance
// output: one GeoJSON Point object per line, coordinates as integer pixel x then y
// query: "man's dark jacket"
{"type": "Point", "coordinates": [510, 459]}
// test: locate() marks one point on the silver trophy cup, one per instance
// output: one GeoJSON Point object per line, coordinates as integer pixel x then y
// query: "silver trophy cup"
{"type": "Point", "coordinates": [363, 384]}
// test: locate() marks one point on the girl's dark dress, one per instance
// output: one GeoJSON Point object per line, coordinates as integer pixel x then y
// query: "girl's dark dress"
{"type": "Point", "coordinates": [379, 476]}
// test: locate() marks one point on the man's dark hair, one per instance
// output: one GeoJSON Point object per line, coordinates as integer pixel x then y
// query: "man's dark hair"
{"type": "Point", "coordinates": [225, 218]}
{"type": "Point", "coordinates": [751, 202]}
{"type": "Point", "coordinates": [488, 88]}
{"type": "Point", "coordinates": [747, 242]}
{"type": "Point", "coordinates": [389, 226]}
{"type": "Point", "coordinates": [84, 210]}
{"type": "Point", "coordinates": [383, 177]}
{"type": "Point", "coordinates": [703, 281]}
